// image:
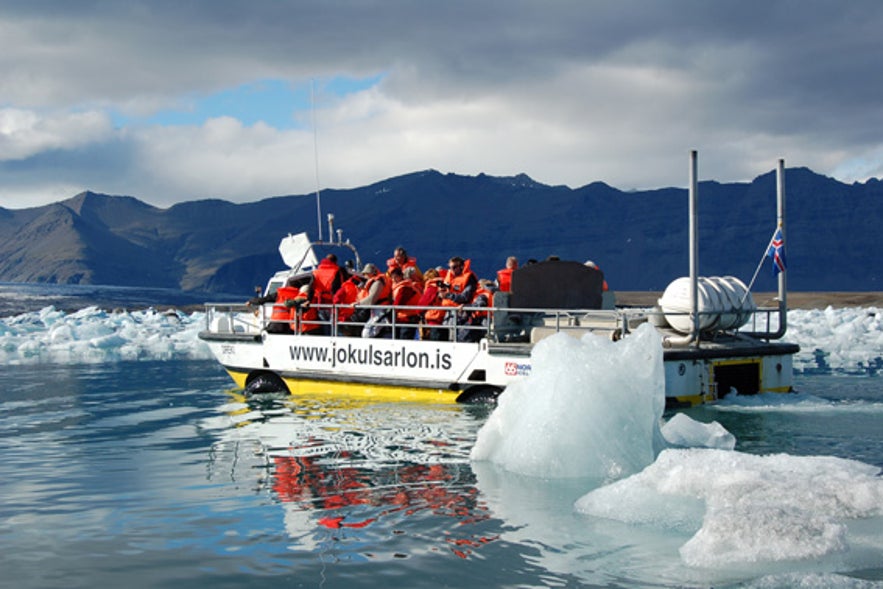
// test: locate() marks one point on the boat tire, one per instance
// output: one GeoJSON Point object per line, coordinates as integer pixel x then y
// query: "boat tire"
{"type": "Point", "coordinates": [263, 383]}
{"type": "Point", "coordinates": [483, 395]}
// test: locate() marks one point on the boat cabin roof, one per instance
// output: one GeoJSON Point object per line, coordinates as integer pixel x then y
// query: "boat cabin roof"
{"type": "Point", "coordinates": [557, 284]}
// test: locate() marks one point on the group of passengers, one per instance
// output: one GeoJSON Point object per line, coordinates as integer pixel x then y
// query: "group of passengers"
{"type": "Point", "coordinates": [425, 306]}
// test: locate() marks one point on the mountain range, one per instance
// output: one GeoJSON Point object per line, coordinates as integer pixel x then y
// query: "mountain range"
{"type": "Point", "coordinates": [638, 238]}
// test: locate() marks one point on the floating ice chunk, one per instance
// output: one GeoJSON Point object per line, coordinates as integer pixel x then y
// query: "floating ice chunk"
{"type": "Point", "coordinates": [841, 340]}
{"type": "Point", "coordinates": [91, 335]}
{"type": "Point", "coordinates": [756, 508]}
{"type": "Point", "coordinates": [686, 432]}
{"type": "Point", "coordinates": [590, 408]}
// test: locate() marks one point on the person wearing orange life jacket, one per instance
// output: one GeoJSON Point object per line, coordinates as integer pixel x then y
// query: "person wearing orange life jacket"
{"type": "Point", "coordinates": [474, 322]}
{"type": "Point", "coordinates": [281, 298]}
{"type": "Point", "coordinates": [410, 273]}
{"type": "Point", "coordinates": [401, 259]}
{"type": "Point", "coordinates": [431, 298]}
{"type": "Point", "coordinates": [458, 290]}
{"type": "Point", "coordinates": [377, 290]}
{"type": "Point", "coordinates": [504, 276]}
{"type": "Point", "coordinates": [484, 297]}
{"type": "Point", "coordinates": [461, 283]}
{"type": "Point", "coordinates": [405, 293]}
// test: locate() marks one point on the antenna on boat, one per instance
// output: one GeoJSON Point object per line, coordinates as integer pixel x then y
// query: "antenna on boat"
{"type": "Point", "coordinates": [316, 156]}
{"type": "Point", "coordinates": [331, 227]}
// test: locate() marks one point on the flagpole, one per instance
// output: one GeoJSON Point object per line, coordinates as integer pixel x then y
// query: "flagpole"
{"type": "Point", "coordinates": [780, 221]}
{"type": "Point", "coordinates": [759, 266]}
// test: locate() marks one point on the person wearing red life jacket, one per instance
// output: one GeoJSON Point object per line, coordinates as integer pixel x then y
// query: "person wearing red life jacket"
{"type": "Point", "coordinates": [326, 280]}
{"type": "Point", "coordinates": [343, 299]}
{"type": "Point", "coordinates": [401, 259]}
{"type": "Point", "coordinates": [305, 317]}
{"type": "Point", "coordinates": [405, 293]}
{"type": "Point", "coordinates": [504, 276]}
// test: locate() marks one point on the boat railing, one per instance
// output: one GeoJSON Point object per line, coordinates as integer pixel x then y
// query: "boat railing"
{"type": "Point", "coordinates": [764, 324]}
{"type": "Point", "coordinates": [460, 323]}
{"type": "Point", "coordinates": [233, 318]}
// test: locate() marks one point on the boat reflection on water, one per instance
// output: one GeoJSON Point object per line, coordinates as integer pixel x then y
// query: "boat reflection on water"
{"type": "Point", "coordinates": [387, 478]}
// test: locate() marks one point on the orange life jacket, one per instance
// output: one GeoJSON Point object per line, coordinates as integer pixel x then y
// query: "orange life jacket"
{"type": "Point", "coordinates": [406, 315]}
{"type": "Point", "coordinates": [385, 296]}
{"type": "Point", "coordinates": [411, 262]}
{"type": "Point", "coordinates": [490, 301]}
{"type": "Point", "coordinates": [458, 284]}
{"type": "Point", "coordinates": [504, 279]}
{"type": "Point", "coordinates": [280, 311]}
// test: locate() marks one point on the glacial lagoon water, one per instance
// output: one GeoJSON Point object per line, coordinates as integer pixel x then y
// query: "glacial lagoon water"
{"type": "Point", "coordinates": [131, 461]}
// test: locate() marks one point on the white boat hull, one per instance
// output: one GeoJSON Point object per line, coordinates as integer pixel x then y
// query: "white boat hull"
{"type": "Point", "coordinates": [461, 372]}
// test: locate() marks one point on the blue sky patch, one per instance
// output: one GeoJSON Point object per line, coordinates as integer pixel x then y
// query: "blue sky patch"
{"type": "Point", "coordinates": [278, 103]}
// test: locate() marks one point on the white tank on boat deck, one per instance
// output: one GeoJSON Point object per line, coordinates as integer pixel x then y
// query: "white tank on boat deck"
{"type": "Point", "coordinates": [723, 303]}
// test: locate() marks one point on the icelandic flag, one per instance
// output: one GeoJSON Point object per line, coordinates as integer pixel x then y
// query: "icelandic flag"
{"type": "Point", "coordinates": [776, 252]}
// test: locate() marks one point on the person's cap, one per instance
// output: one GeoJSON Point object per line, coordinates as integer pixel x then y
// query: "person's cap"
{"type": "Point", "coordinates": [369, 269]}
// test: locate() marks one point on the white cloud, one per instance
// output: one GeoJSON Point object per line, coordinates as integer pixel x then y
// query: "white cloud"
{"type": "Point", "coordinates": [25, 133]}
{"type": "Point", "coordinates": [567, 92]}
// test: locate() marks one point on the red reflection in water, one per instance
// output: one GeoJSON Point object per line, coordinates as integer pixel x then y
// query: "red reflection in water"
{"type": "Point", "coordinates": [405, 490]}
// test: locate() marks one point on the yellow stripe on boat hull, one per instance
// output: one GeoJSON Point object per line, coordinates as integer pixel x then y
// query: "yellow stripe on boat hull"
{"type": "Point", "coordinates": [372, 392]}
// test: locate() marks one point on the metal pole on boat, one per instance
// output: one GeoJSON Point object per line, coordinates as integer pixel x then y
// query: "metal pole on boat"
{"type": "Point", "coordinates": [316, 158]}
{"type": "Point", "coordinates": [780, 220]}
{"type": "Point", "coordinates": [783, 286]}
{"type": "Point", "coordinates": [693, 222]}
{"type": "Point", "coordinates": [694, 243]}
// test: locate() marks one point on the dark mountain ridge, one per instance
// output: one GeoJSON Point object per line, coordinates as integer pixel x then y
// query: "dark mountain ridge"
{"type": "Point", "coordinates": [639, 238]}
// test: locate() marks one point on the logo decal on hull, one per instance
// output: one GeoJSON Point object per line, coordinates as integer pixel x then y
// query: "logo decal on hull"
{"type": "Point", "coordinates": [516, 369]}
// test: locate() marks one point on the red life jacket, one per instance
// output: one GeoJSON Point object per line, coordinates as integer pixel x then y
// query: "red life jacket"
{"type": "Point", "coordinates": [323, 281]}
{"type": "Point", "coordinates": [504, 279]}
{"type": "Point", "coordinates": [347, 294]}
{"type": "Point", "coordinates": [308, 317]}
{"type": "Point", "coordinates": [406, 293]}
{"type": "Point", "coordinates": [430, 297]}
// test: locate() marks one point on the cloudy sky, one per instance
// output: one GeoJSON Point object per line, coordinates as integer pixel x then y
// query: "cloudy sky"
{"type": "Point", "coordinates": [172, 100]}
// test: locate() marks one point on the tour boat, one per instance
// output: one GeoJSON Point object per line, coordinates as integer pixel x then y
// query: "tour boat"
{"type": "Point", "coordinates": [715, 340]}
